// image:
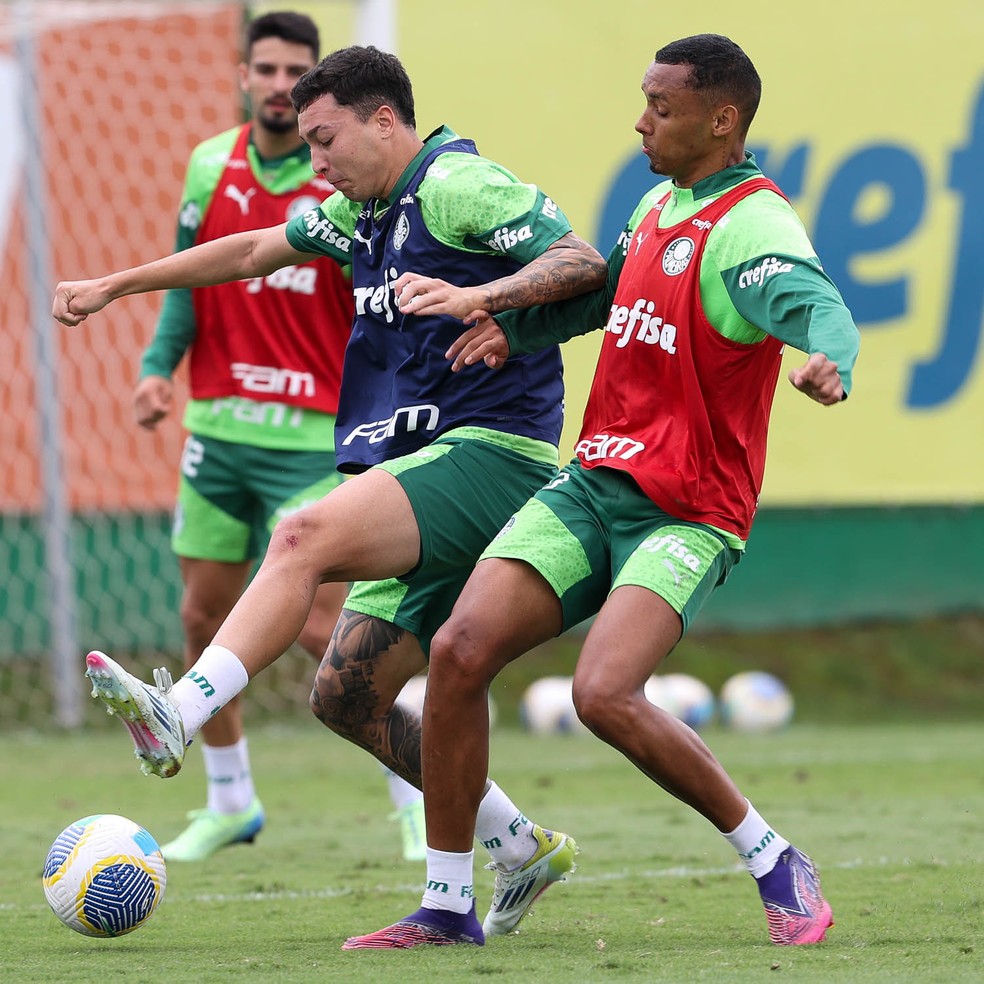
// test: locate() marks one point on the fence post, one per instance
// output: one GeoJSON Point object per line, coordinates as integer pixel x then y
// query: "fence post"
{"type": "Point", "coordinates": [64, 665]}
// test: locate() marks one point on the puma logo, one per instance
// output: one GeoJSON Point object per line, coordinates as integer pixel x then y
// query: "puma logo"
{"type": "Point", "coordinates": [359, 238]}
{"type": "Point", "coordinates": [241, 199]}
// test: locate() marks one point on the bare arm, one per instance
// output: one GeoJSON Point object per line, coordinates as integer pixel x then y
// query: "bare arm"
{"type": "Point", "coordinates": [245, 254]}
{"type": "Point", "coordinates": [567, 268]}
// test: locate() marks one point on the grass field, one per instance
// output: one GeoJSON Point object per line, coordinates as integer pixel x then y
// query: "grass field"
{"type": "Point", "coordinates": [892, 814]}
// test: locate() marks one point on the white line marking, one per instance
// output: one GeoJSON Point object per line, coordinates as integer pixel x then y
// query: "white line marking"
{"type": "Point", "coordinates": [683, 871]}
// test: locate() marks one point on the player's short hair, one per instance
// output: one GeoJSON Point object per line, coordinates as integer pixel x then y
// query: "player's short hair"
{"type": "Point", "coordinates": [719, 69]}
{"type": "Point", "coordinates": [286, 25]}
{"type": "Point", "coordinates": [361, 78]}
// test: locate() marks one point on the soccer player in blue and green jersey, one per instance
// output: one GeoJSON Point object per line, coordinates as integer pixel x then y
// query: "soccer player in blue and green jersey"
{"type": "Point", "coordinates": [441, 458]}
{"type": "Point", "coordinates": [264, 360]}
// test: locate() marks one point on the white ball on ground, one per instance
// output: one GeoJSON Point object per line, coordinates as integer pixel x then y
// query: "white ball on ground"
{"type": "Point", "coordinates": [547, 707]}
{"type": "Point", "coordinates": [756, 701]}
{"type": "Point", "coordinates": [684, 696]}
{"type": "Point", "coordinates": [104, 875]}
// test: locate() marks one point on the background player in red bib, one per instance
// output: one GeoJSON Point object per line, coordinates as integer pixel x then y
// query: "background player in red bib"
{"type": "Point", "coordinates": [265, 359]}
{"type": "Point", "coordinates": [712, 276]}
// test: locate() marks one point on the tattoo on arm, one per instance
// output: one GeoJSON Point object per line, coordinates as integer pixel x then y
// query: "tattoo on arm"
{"type": "Point", "coordinates": [568, 268]}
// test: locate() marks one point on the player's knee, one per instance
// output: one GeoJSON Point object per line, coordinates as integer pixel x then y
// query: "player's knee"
{"type": "Point", "coordinates": [455, 656]}
{"type": "Point", "coordinates": [323, 706]}
{"type": "Point", "coordinates": [295, 539]}
{"type": "Point", "coordinates": [600, 708]}
{"type": "Point", "coordinates": [348, 715]}
{"type": "Point", "coordinates": [444, 663]}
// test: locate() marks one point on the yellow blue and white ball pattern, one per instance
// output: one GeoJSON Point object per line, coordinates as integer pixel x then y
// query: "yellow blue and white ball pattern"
{"type": "Point", "coordinates": [104, 875]}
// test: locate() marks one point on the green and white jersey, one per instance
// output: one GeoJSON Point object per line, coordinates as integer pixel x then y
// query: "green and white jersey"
{"type": "Point", "coordinates": [465, 219]}
{"type": "Point", "coordinates": [760, 236]}
{"type": "Point", "coordinates": [463, 199]}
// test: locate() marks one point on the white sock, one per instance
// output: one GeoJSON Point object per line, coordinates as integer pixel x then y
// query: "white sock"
{"type": "Point", "coordinates": [450, 881]}
{"type": "Point", "coordinates": [207, 687]}
{"type": "Point", "coordinates": [502, 830]}
{"type": "Point", "coordinates": [401, 792]}
{"type": "Point", "coordinates": [230, 782]}
{"type": "Point", "coordinates": [757, 844]}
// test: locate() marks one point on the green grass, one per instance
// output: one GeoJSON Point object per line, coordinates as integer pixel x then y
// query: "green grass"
{"type": "Point", "coordinates": [892, 813]}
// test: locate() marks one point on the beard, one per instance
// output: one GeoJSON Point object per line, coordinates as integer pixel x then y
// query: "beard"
{"type": "Point", "coordinates": [278, 123]}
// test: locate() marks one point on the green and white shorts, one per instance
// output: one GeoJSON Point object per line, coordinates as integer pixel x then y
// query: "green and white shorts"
{"type": "Point", "coordinates": [231, 496]}
{"type": "Point", "coordinates": [462, 488]}
{"type": "Point", "coordinates": [590, 531]}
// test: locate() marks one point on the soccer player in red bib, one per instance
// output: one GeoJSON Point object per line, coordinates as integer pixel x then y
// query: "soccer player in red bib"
{"type": "Point", "coordinates": [712, 276]}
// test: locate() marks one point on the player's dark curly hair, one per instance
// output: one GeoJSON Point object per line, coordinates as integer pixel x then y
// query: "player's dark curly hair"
{"type": "Point", "coordinates": [286, 25]}
{"type": "Point", "coordinates": [718, 68]}
{"type": "Point", "coordinates": [362, 78]}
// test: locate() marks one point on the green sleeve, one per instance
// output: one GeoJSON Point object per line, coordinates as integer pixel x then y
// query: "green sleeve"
{"type": "Point", "coordinates": [326, 230]}
{"type": "Point", "coordinates": [551, 324]}
{"type": "Point", "coordinates": [173, 335]}
{"type": "Point", "coordinates": [474, 204]}
{"type": "Point", "coordinates": [793, 300]}
{"type": "Point", "coordinates": [761, 275]}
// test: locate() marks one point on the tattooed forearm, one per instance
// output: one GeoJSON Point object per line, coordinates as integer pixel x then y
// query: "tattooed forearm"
{"type": "Point", "coordinates": [568, 268]}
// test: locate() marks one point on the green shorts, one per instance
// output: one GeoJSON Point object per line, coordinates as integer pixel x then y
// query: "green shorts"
{"type": "Point", "coordinates": [590, 531]}
{"type": "Point", "coordinates": [462, 488]}
{"type": "Point", "coordinates": [231, 496]}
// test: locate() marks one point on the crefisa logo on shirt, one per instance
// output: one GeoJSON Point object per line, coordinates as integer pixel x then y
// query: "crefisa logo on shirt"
{"type": "Point", "coordinates": [402, 231]}
{"type": "Point", "coordinates": [317, 225]}
{"type": "Point", "coordinates": [301, 205]}
{"type": "Point", "coordinates": [677, 257]}
{"type": "Point", "coordinates": [505, 238]}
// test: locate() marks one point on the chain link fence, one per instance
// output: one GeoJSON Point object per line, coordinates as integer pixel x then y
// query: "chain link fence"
{"type": "Point", "coordinates": [100, 105]}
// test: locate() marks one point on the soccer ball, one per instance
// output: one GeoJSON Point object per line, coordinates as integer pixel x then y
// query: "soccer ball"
{"type": "Point", "coordinates": [104, 875]}
{"type": "Point", "coordinates": [756, 701]}
{"type": "Point", "coordinates": [412, 696]}
{"type": "Point", "coordinates": [547, 707]}
{"type": "Point", "coordinates": [685, 697]}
